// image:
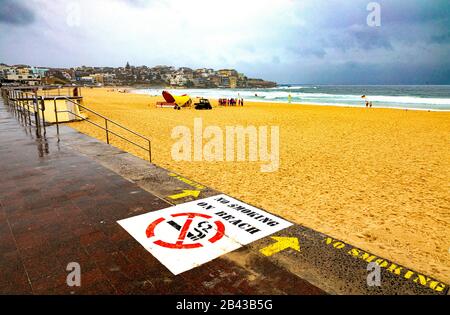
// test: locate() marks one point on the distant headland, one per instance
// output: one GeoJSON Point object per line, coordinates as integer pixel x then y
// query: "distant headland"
{"type": "Point", "coordinates": [137, 76]}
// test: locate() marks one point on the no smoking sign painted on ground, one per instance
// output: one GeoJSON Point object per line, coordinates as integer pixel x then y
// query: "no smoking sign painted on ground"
{"type": "Point", "coordinates": [190, 233]}
{"type": "Point", "coordinates": [187, 235]}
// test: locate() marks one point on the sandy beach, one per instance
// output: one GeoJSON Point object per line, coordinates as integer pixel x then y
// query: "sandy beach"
{"type": "Point", "coordinates": [375, 178]}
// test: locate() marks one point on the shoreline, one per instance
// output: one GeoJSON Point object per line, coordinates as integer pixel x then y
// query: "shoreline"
{"type": "Point", "coordinates": [250, 100]}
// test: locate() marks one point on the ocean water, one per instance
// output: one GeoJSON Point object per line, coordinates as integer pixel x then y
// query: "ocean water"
{"type": "Point", "coordinates": [421, 97]}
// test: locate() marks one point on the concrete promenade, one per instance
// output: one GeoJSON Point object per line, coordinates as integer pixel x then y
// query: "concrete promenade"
{"type": "Point", "coordinates": [60, 202]}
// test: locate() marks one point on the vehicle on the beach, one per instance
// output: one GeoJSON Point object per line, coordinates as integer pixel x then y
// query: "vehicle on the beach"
{"type": "Point", "coordinates": [203, 104]}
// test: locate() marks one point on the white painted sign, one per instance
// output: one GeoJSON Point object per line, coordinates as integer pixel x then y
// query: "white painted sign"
{"type": "Point", "coordinates": [187, 235]}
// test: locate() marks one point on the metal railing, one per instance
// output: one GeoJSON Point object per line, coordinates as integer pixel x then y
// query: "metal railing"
{"type": "Point", "coordinates": [105, 128]}
{"type": "Point", "coordinates": [27, 105]}
{"type": "Point", "coordinates": [72, 91]}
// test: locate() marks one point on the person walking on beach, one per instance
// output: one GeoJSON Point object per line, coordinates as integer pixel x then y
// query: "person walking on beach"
{"type": "Point", "coordinates": [289, 98]}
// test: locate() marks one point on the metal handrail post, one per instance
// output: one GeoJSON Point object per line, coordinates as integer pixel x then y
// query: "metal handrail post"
{"type": "Point", "coordinates": [37, 119]}
{"type": "Point", "coordinates": [43, 114]}
{"type": "Point", "coordinates": [35, 104]}
{"type": "Point", "coordinates": [56, 118]}
{"type": "Point", "coordinates": [149, 151]}
{"type": "Point", "coordinates": [13, 101]}
{"type": "Point", "coordinates": [20, 104]}
{"type": "Point", "coordinates": [28, 112]}
{"type": "Point", "coordinates": [107, 133]}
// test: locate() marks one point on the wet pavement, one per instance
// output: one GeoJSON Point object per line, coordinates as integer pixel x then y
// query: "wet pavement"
{"type": "Point", "coordinates": [59, 203]}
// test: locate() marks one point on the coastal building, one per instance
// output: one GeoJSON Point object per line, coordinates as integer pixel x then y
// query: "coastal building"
{"type": "Point", "coordinates": [233, 82]}
{"type": "Point", "coordinates": [228, 72]}
{"type": "Point", "coordinates": [87, 80]}
{"type": "Point", "coordinates": [66, 75]}
{"type": "Point", "coordinates": [4, 69]}
{"type": "Point", "coordinates": [200, 82]}
{"type": "Point", "coordinates": [20, 75]}
{"type": "Point", "coordinates": [224, 82]}
{"type": "Point", "coordinates": [215, 80]}
{"type": "Point", "coordinates": [102, 78]}
{"type": "Point", "coordinates": [160, 75]}
{"type": "Point", "coordinates": [179, 80]}
{"type": "Point", "coordinates": [39, 72]}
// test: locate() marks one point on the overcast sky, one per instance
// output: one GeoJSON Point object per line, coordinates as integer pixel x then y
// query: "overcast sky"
{"type": "Point", "coordinates": [288, 41]}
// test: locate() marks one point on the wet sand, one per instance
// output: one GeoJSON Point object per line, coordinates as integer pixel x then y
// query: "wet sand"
{"type": "Point", "coordinates": [375, 178]}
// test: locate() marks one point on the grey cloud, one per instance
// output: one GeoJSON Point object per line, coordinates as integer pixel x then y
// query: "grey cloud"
{"type": "Point", "coordinates": [410, 46]}
{"type": "Point", "coordinates": [354, 73]}
{"type": "Point", "coordinates": [441, 39]}
{"type": "Point", "coordinates": [392, 73]}
{"type": "Point", "coordinates": [343, 23]}
{"type": "Point", "coordinates": [15, 13]}
{"type": "Point", "coordinates": [359, 37]}
{"type": "Point", "coordinates": [314, 51]}
{"type": "Point", "coordinates": [369, 38]}
{"type": "Point", "coordinates": [407, 11]}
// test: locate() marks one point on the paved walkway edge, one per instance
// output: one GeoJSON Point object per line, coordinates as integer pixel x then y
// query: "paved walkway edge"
{"type": "Point", "coordinates": [331, 264]}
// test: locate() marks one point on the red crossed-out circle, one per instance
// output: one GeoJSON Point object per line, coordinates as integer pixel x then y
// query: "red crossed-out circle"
{"type": "Point", "coordinates": [179, 244]}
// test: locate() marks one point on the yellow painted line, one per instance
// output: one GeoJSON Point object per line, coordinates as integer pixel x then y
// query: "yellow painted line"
{"type": "Point", "coordinates": [186, 193]}
{"type": "Point", "coordinates": [281, 243]}
{"type": "Point", "coordinates": [187, 181]}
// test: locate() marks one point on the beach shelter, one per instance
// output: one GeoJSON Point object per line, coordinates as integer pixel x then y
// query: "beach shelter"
{"type": "Point", "coordinates": [182, 100]}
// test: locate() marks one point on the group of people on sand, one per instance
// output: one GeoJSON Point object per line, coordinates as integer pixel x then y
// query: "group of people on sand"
{"type": "Point", "coordinates": [231, 101]}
